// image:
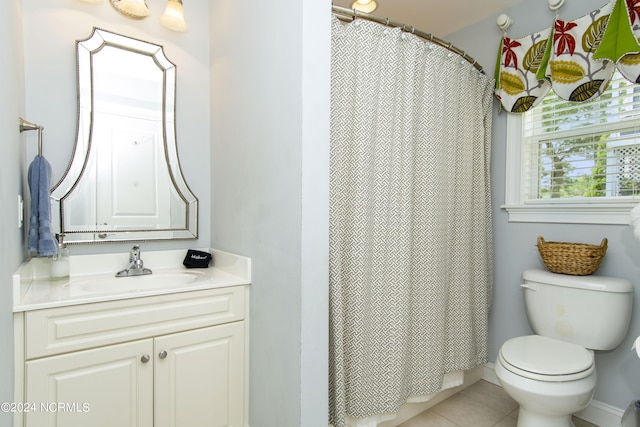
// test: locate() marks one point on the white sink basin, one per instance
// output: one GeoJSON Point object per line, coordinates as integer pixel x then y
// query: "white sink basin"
{"type": "Point", "coordinates": [162, 279]}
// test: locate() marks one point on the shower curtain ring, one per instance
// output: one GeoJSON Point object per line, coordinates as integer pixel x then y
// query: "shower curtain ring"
{"type": "Point", "coordinates": [413, 30]}
{"type": "Point", "coordinates": [387, 24]}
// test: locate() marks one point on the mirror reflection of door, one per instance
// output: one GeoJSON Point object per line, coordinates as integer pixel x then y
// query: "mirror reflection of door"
{"type": "Point", "coordinates": [132, 180]}
{"type": "Point", "coordinates": [133, 184]}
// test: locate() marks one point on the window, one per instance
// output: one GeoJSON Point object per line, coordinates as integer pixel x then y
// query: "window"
{"type": "Point", "coordinates": [576, 162]}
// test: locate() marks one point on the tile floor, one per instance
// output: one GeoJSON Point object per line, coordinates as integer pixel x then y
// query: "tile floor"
{"type": "Point", "coordinates": [481, 405]}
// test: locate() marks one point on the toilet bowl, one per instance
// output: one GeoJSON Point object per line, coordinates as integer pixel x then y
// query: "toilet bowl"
{"type": "Point", "coordinates": [549, 379]}
{"type": "Point", "coordinates": [552, 374]}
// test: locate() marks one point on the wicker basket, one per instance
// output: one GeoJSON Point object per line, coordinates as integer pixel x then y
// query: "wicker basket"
{"type": "Point", "coordinates": [578, 259]}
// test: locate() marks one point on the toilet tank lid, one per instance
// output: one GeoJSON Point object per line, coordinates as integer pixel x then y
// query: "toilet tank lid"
{"type": "Point", "coordinates": [595, 283]}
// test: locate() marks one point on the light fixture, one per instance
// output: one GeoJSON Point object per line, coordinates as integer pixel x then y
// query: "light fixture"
{"type": "Point", "coordinates": [366, 6]}
{"type": "Point", "coordinates": [173, 17]}
{"type": "Point", "coordinates": [135, 9]}
{"type": "Point", "coordinates": [93, 1]}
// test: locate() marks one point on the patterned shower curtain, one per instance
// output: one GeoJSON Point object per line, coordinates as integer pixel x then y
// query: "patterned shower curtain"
{"type": "Point", "coordinates": [410, 219]}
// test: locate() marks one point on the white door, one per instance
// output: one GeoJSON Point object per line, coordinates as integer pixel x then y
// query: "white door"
{"type": "Point", "coordinates": [104, 387]}
{"type": "Point", "coordinates": [132, 178]}
{"type": "Point", "coordinates": [200, 378]}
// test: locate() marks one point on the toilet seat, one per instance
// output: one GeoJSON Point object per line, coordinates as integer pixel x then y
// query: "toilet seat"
{"type": "Point", "coordinates": [546, 359]}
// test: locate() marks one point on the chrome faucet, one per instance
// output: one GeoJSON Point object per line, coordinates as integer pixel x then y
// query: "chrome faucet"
{"type": "Point", "coordinates": [136, 265]}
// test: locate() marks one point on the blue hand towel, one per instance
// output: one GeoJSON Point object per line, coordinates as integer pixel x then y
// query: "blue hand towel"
{"type": "Point", "coordinates": [33, 178]}
{"type": "Point", "coordinates": [41, 238]}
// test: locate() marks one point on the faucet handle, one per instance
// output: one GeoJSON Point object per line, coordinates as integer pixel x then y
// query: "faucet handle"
{"type": "Point", "coordinates": [135, 253]}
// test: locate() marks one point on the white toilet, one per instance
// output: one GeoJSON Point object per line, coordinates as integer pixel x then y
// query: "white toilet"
{"type": "Point", "coordinates": [552, 374]}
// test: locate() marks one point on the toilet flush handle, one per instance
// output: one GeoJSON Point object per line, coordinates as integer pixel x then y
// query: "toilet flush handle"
{"type": "Point", "coordinates": [528, 286]}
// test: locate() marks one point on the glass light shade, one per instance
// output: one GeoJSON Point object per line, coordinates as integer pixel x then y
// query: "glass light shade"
{"type": "Point", "coordinates": [136, 9]}
{"type": "Point", "coordinates": [366, 6]}
{"type": "Point", "coordinates": [173, 17]}
{"type": "Point", "coordinates": [93, 1]}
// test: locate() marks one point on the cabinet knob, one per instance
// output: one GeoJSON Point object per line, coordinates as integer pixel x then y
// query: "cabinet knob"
{"type": "Point", "coordinates": [162, 354]}
{"type": "Point", "coordinates": [145, 358]}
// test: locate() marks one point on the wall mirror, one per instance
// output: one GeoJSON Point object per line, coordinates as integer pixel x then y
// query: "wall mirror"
{"type": "Point", "coordinates": [124, 181]}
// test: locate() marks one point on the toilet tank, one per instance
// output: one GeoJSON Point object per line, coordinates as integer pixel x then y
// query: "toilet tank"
{"type": "Point", "coordinates": [591, 311]}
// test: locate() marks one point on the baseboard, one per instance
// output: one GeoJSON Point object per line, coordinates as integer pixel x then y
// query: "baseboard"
{"type": "Point", "coordinates": [597, 413]}
{"type": "Point", "coordinates": [490, 374]}
{"type": "Point", "coordinates": [601, 414]}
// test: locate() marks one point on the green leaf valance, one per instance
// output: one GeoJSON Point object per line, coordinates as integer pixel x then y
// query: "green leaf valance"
{"type": "Point", "coordinates": [574, 58]}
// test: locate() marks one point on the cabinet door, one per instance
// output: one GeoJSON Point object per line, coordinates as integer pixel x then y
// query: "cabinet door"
{"type": "Point", "coordinates": [200, 378]}
{"type": "Point", "coordinates": [104, 387]}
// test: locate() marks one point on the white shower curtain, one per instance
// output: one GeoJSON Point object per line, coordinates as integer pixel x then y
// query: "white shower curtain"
{"type": "Point", "coordinates": [410, 221]}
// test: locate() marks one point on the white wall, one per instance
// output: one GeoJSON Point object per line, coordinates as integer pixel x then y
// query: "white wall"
{"type": "Point", "coordinates": [11, 246]}
{"type": "Point", "coordinates": [316, 71]}
{"type": "Point", "coordinates": [51, 28]}
{"type": "Point", "coordinates": [515, 250]}
{"type": "Point", "coordinates": [270, 87]}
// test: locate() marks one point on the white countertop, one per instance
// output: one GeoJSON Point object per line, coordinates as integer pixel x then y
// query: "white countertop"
{"type": "Point", "coordinates": [92, 278]}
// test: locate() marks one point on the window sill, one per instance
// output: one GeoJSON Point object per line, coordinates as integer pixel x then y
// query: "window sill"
{"type": "Point", "coordinates": [571, 213]}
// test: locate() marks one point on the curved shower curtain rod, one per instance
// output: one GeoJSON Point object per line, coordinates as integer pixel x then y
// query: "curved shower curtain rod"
{"type": "Point", "coordinates": [344, 13]}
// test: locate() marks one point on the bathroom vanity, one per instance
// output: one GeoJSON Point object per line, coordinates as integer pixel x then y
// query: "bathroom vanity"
{"type": "Point", "coordinates": [166, 349]}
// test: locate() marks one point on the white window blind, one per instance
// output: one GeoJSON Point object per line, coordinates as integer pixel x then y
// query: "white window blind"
{"type": "Point", "coordinates": [583, 151]}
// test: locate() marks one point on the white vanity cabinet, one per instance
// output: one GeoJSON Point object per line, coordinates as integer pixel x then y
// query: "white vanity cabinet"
{"type": "Point", "coordinates": [167, 360]}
